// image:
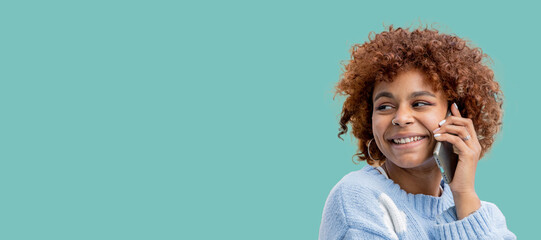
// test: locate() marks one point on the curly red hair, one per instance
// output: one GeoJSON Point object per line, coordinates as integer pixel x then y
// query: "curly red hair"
{"type": "Point", "coordinates": [450, 64]}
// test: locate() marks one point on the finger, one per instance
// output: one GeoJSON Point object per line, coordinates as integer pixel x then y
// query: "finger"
{"type": "Point", "coordinates": [464, 121]}
{"type": "Point", "coordinates": [460, 121]}
{"type": "Point", "coordinates": [458, 143]}
{"type": "Point", "coordinates": [472, 141]}
{"type": "Point", "coordinates": [455, 111]}
{"type": "Point", "coordinates": [460, 131]}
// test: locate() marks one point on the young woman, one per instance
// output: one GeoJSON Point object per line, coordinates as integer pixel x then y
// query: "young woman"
{"type": "Point", "coordinates": [400, 86]}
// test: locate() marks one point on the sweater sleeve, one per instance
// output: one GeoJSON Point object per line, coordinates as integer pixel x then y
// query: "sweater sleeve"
{"type": "Point", "coordinates": [338, 223]}
{"type": "Point", "coordinates": [487, 222]}
{"type": "Point", "coordinates": [333, 221]}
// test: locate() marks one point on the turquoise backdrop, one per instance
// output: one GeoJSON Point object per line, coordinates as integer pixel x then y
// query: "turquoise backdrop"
{"type": "Point", "coordinates": [216, 119]}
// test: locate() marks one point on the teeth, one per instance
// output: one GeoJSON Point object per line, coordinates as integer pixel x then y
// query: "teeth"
{"type": "Point", "coordinates": [406, 140]}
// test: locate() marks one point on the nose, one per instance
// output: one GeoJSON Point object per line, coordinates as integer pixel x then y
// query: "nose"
{"type": "Point", "coordinates": [403, 117]}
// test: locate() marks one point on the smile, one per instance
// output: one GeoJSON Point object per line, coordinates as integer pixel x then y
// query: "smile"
{"type": "Point", "coordinates": [407, 143]}
{"type": "Point", "coordinates": [407, 140]}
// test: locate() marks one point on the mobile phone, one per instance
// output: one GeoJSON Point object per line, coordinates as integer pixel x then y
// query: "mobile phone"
{"type": "Point", "coordinates": [446, 159]}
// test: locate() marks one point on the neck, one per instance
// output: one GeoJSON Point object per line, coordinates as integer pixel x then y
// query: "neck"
{"type": "Point", "coordinates": [420, 180]}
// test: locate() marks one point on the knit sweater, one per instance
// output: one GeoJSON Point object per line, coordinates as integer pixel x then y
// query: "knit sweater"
{"type": "Point", "coordinates": [367, 205]}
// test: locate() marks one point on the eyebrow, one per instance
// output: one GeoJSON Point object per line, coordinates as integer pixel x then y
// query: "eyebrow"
{"type": "Point", "coordinates": [413, 95]}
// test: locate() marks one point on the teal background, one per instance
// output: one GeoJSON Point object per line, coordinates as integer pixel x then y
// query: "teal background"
{"type": "Point", "coordinates": [215, 120]}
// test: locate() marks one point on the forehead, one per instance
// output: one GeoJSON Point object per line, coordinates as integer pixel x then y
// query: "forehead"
{"type": "Point", "coordinates": [406, 83]}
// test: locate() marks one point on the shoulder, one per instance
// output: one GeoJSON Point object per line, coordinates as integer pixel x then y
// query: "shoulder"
{"type": "Point", "coordinates": [366, 180]}
{"type": "Point", "coordinates": [355, 197]}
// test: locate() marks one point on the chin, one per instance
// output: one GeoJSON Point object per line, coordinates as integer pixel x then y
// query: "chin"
{"type": "Point", "coordinates": [413, 162]}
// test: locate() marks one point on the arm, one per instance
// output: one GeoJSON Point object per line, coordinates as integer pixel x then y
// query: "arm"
{"type": "Point", "coordinates": [470, 218]}
{"type": "Point", "coordinates": [461, 133]}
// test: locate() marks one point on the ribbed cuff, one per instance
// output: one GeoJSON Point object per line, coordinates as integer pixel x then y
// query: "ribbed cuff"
{"type": "Point", "coordinates": [477, 225]}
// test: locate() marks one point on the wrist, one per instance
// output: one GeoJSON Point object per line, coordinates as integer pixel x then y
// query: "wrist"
{"type": "Point", "coordinates": [466, 203]}
{"type": "Point", "coordinates": [464, 194]}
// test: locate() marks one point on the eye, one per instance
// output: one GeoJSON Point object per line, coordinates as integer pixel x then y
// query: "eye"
{"type": "Point", "coordinates": [421, 104]}
{"type": "Point", "coordinates": [384, 107]}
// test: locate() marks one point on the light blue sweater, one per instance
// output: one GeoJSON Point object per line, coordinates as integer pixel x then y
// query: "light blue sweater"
{"type": "Point", "coordinates": [367, 205]}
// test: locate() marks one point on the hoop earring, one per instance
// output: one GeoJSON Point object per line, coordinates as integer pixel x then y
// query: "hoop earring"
{"type": "Point", "coordinates": [369, 155]}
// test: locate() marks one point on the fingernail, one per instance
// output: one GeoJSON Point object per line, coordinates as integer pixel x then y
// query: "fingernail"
{"type": "Point", "coordinates": [437, 129]}
{"type": "Point", "coordinates": [442, 122]}
{"type": "Point", "coordinates": [437, 135]}
{"type": "Point", "coordinates": [455, 105]}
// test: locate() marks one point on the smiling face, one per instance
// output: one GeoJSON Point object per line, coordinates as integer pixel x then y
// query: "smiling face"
{"type": "Point", "coordinates": [416, 109]}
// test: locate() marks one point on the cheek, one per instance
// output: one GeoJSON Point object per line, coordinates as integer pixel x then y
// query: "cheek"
{"type": "Point", "coordinates": [379, 126]}
{"type": "Point", "coordinates": [432, 123]}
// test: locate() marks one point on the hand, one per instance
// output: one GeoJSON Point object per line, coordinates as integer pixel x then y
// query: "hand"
{"type": "Point", "coordinates": [461, 133]}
